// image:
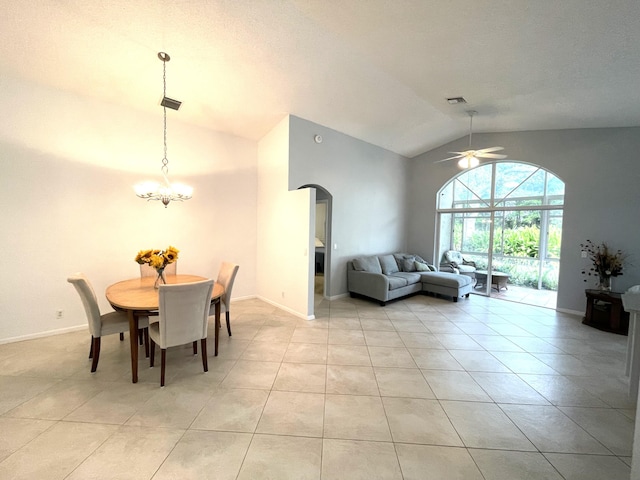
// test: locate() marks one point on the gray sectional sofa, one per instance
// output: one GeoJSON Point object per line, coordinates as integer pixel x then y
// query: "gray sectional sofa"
{"type": "Point", "coordinates": [391, 276]}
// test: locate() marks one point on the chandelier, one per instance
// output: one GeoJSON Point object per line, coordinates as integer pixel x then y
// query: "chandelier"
{"type": "Point", "coordinates": [166, 191]}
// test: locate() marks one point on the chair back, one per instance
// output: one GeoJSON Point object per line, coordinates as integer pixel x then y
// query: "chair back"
{"type": "Point", "coordinates": [226, 277]}
{"type": "Point", "coordinates": [453, 256]}
{"type": "Point", "coordinates": [147, 271]}
{"type": "Point", "coordinates": [183, 312]}
{"type": "Point", "coordinates": [89, 301]}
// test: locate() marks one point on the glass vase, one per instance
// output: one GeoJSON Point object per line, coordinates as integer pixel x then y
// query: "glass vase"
{"type": "Point", "coordinates": [160, 278]}
{"type": "Point", "coordinates": [605, 283]}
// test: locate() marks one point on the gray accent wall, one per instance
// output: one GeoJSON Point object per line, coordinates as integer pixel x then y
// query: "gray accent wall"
{"type": "Point", "coordinates": [601, 171]}
{"type": "Point", "coordinates": [368, 185]}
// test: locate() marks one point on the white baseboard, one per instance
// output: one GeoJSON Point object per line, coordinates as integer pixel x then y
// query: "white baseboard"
{"type": "Point", "coordinates": [287, 309]}
{"type": "Point", "coordinates": [48, 333]}
{"type": "Point", "coordinates": [246, 297]}
{"type": "Point", "coordinates": [570, 312]}
{"type": "Point", "coordinates": [337, 297]}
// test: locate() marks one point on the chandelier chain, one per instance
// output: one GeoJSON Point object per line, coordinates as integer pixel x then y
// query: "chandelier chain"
{"type": "Point", "coordinates": [165, 160]}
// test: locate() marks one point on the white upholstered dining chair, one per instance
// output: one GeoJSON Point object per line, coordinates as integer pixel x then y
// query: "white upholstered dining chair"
{"type": "Point", "coordinates": [101, 324]}
{"type": "Point", "coordinates": [182, 318]}
{"type": "Point", "coordinates": [226, 277]}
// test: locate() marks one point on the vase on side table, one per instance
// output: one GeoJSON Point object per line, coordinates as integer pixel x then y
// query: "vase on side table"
{"type": "Point", "coordinates": [605, 283]}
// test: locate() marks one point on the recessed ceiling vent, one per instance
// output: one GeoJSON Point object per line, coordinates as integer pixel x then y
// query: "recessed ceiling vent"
{"type": "Point", "coordinates": [170, 103]}
{"type": "Point", "coordinates": [456, 100]}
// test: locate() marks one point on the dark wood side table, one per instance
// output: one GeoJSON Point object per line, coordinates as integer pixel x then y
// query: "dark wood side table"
{"type": "Point", "coordinates": [605, 312]}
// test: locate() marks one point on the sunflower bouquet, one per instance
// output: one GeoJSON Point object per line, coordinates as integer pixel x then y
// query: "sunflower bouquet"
{"type": "Point", "coordinates": [158, 259]}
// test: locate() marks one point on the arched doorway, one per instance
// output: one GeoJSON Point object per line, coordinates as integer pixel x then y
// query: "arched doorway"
{"type": "Point", "coordinates": [320, 232]}
{"type": "Point", "coordinates": [506, 217]}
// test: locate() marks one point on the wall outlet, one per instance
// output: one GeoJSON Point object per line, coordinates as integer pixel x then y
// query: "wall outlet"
{"type": "Point", "coordinates": [282, 294]}
{"type": "Point", "coordinates": [59, 314]}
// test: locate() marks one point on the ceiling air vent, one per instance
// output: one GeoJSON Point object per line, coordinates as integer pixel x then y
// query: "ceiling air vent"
{"type": "Point", "coordinates": [456, 100]}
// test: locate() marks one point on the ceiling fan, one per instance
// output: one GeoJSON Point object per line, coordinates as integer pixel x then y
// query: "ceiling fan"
{"type": "Point", "coordinates": [470, 158]}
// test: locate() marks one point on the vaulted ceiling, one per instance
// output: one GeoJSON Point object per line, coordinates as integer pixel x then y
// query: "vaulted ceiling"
{"type": "Point", "coordinates": [378, 70]}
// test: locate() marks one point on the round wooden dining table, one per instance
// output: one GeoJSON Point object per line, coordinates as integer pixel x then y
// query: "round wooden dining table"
{"type": "Point", "coordinates": [138, 297]}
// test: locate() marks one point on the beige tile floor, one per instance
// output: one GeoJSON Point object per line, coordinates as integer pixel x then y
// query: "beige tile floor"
{"type": "Point", "coordinates": [422, 388]}
{"type": "Point", "coordinates": [526, 295]}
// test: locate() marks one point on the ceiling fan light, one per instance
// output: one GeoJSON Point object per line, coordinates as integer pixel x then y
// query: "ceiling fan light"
{"type": "Point", "coordinates": [468, 161]}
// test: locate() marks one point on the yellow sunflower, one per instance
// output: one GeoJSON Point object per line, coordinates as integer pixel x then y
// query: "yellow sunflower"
{"type": "Point", "coordinates": [156, 261]}
{"type": "Point", "coordinates": [144, 256]}
{"type": "Point", "coordinates": [171, 254]}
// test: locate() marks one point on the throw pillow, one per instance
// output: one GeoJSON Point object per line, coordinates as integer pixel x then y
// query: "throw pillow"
{"type": "Point", "coordinates": [388, 264]}
{"type": "Point", "coordinates": [422, 267]}
{"type": "Point", "coordinates": [409, 264]}
{"type": "Point", "coordinates": [420, 259]}
{"type": "Point", "coordinates": [367, 264]}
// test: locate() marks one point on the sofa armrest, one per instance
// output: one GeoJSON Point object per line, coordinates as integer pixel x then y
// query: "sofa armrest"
{"type": "Point", "coordinates": [374, 285]}
{"type": "Point", "coordinates": [449, 268]}
{"type": "Point", "coordinates": [470, 263]}
{"type": "Point", "coordinates": [446, 267]}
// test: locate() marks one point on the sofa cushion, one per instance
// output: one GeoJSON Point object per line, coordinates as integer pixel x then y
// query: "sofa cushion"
{"type": "Point", "coordinates": [388, 264]}
{"type": "Point", "coordinates": [396, 282]}
{"type": "Point", "coordinates": [446, 279]}
{"type": "Point", "coordinates": [466, 268]}
{"type": "Point", "coordinates": [424, 267]}
{"type": "Point", "coordinates": [367, 264]}
{"type": "Point", "coordinates": [410, 277]}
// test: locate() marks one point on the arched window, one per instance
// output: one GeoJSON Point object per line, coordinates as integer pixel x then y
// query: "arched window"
{"type": "Point", "coordinates": [507, 216]}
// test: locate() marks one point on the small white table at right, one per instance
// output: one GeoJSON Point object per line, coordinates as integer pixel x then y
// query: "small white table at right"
{"type": "Point", "coordinates": [631, 303]}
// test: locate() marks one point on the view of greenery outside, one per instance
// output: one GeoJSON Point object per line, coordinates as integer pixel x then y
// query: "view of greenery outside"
{"type": "Point", "coordinates": [516, 251]}
{"type": "Point", "coordinates": [522, 190]}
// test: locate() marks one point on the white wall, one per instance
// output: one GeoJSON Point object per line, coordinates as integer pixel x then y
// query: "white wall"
{"type": "Point", "coordinates": [368, 185]}
{"type": "Point", "coordinates": [64, 208]}
{"type": "Point", "coordinates": [601, 174]}
{"type": "Point", "coordinates": [284, 246]}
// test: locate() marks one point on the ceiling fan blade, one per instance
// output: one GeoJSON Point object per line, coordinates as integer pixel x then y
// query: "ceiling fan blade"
{"type": "Point", "coordinates": [491, 155]}
{"type": "Point", "coordinates": [450, 158]}
{"type": "Point", "coordinates": [490, 149]}
{"type": "Point", "coordinates": [463, 153]}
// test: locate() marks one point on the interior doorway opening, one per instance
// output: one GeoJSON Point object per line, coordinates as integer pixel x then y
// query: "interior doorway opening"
{"type": "Point", "coordinates": [320, 232]}
{"type": "Point", "coordinates": [505, 218]}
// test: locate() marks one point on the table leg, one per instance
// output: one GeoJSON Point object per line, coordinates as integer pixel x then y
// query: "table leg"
{"type": "Point", "coordinates": [588, 314]}
{"type": "Point", "coordinates": [217, 329]}
{"type": "Point", "coordinates": [614, 316]}
{"type": "Point", "coordinates": [133, 339]}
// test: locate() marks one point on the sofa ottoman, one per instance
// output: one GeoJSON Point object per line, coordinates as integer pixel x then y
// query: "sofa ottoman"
{"type": "Point", "coordinates": [443, 283]}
